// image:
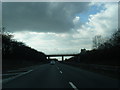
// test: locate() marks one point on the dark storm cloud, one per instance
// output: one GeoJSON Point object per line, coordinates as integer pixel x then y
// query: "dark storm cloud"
{"type": "Point", "coordinates": [41, 16]}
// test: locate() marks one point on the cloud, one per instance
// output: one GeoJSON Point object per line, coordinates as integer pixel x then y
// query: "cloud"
{"type": "Point", "coordinates": [76, 20]}
{"type": "Point", "coordinates": [0, 15]}
{"type": "Point", "coordinates": [119, 15]}
{"type": "Point", "coordinates": [103, 23]}
{"type": "Point", "coordinates": [63, 16]}
{"type": "Point", "coordinates": [52, 42]}
{"type": "Point", "coordinates": [41, 16]}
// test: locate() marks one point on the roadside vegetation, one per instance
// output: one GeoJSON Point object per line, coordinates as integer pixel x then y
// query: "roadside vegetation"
{"type": "Point", "coordinates": [16, 54]}
{"type": "Point", "coordinates": [103, 52]}
{"type": "Point", "coordinates": [103, 58]}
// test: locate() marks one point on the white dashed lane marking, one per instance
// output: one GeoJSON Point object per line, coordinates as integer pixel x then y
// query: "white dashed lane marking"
{"type": "Point", "coordinates": [73, 86]}
{"type": "Point", "coordinates": [61, 72]}
{"type": "Point", "coordinates": [59, 69]}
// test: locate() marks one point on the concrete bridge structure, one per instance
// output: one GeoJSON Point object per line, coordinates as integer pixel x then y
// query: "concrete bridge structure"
{"type": "Point", "coordinates": [60, 55]}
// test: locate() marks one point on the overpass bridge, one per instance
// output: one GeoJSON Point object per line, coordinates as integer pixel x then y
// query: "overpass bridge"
{"type": "Point", "coordinates": [60, 55]}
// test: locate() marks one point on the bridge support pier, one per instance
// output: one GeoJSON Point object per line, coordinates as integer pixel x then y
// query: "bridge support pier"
{"type": "Point", "coordinates": [62, 58]}
{"type": "Point", "coordinates": [48, 58]}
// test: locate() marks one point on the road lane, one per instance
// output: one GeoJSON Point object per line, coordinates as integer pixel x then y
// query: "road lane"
{"type": "Point", "coordinates": [45, 76]}
{"type": "Point", "coordinates": [86, 79]}
{"type": "Point", "coordinates": [61, 76]}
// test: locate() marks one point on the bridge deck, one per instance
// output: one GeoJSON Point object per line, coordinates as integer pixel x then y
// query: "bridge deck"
{"type": "Point", "coordinates": [61, 55]}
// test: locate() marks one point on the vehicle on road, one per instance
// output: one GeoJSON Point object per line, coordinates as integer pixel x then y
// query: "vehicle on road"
{"type": "Point", "coordinates": [52, 62]}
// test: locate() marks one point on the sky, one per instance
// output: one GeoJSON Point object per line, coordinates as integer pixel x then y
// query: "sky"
{"type": "Point", "coordinates": [59, 27]}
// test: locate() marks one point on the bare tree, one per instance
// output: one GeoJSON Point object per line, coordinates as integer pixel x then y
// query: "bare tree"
{"type": "Point", "coordinates": [97, 41]}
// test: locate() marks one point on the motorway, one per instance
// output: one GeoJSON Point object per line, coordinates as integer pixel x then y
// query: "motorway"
{"type": "Point", "coordinates": [61, 76]}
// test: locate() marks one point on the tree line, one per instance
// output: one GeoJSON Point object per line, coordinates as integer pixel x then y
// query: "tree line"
{"type": "Point", "coordinates": [14, 52]}
{"type": "Point", "coordinates": [12, 49]}
{"type": "Point", "coordinates": [103, 52]}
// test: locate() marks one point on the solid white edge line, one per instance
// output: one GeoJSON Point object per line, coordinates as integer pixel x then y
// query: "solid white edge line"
{"type": "Point", "coordinates": [73, 86]}
{"type": "Point", "coordinates": [11, 78]}
{"type": "Point", "coordinates": [10, 74]}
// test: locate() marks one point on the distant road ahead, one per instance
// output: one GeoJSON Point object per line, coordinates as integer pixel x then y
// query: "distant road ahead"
{"type": "Point", "coordinates": [61, 76]}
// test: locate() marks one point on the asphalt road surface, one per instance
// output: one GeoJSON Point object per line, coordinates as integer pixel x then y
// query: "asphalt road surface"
{"type": "Point", "coordinates": [61, 76]}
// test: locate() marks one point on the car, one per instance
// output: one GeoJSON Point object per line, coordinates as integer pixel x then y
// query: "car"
{"type": "Point", "coordinates": [52, 62]}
